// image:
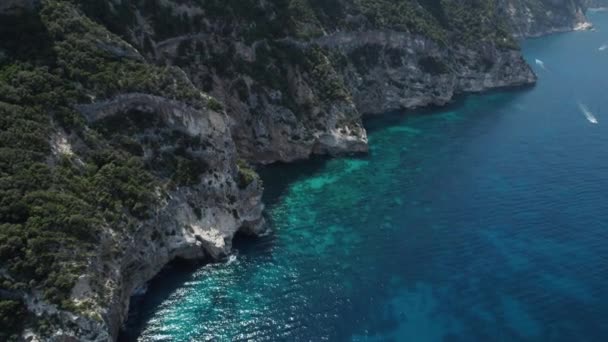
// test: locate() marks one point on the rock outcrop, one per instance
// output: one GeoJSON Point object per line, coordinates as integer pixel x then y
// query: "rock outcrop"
{"type": "Point", "coordinates": [194, 222]}
{"type": "Point", "coordinates": [190, 222]}
{"type": "Point", "coordinates": [302, 89]}
{"type": "Point", "coordinates": [532, 18]}
{"type": "Point", "coordinates": [389, 70]}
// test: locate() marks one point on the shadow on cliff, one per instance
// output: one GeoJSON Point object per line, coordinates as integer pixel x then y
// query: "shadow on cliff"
{"type": "Point", "coordinates": [24, 37]}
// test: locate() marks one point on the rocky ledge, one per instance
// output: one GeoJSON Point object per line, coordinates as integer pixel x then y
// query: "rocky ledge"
{"type": "Point", "coordinates": [388, 70]}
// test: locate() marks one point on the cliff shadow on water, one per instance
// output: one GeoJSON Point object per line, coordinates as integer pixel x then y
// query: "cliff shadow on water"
{"type": "Point", "coordinates": [150, 298]}
{"type": "Point", "coordinates": [279, 176]}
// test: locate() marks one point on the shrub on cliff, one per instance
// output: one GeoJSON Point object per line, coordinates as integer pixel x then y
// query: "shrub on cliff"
{"type": "Point", "coordinates": [246, 174]}
{"type": "Point", "coordinates": [54, 200]}
{"type": "Point", "coordinates": [12, 316]}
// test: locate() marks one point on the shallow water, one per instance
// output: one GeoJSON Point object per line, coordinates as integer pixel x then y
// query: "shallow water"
{"type": "Point", "coordinates": [486, 220]}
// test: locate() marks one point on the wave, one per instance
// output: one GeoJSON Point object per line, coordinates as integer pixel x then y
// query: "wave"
{"type": "Point", "coordinates": [603, 47]}
{"type": "Point", "coordinates": [588, 114]}
{"type": "Point", "coordinates": [231, 259]}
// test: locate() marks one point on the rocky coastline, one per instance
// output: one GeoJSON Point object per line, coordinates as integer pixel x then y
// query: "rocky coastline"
{"type": "Point", "coordinates": [256, 100]}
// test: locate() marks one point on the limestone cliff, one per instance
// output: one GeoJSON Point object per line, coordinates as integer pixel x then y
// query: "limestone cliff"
{"type": "Point", "coordinates": [596, 3]}
{"type": "Point", "coordinates": [530, 18]}
{"type": "Point", "coordinates": [110, 168]}
{"type": "Point", "coordinates": [127, 126]}
{"type": "Point", "coordinates": [296, 77]}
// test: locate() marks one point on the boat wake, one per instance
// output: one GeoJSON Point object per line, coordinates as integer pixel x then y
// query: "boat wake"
{"type": "Point", "coordinates": [540, 63]}
{"type": "Point", "coordinates": [603, 47]}
{"type": "Point", "coordinates": [590, 117]}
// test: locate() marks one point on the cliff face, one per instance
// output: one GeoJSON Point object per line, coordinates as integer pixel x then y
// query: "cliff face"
{"type": "Point", "coordinates": [197, 220]}
{"type": "Point", "coordinates": [127, 126]}
{"type": "Point", "coordinates": [596, 3]}
{"type": "Point", "coordinates": [530, 18]}
{"type": "Point", "coordinates": [110, 168]}
{"type": "Point", "coordinates": [296, 77]}
{"type": "Point", "coordinates": [390, 70]}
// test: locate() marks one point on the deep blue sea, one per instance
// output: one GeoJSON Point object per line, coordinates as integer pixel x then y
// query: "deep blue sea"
{"type": "Point", "coordinates": [486, 220]}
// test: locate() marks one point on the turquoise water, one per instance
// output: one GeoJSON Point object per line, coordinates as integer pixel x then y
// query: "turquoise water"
{"type": "Point", "coordinates": [486, 220]}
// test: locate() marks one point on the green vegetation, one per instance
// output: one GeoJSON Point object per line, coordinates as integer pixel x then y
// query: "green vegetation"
{"type": "Point", "coordinates": [50, 213]}
{"type": "Point", "coordinates": [251, 20]}
{"type": "Point", "coordinates": [54, 202]}
{"type": "Point", "coordinates": [12, 317]}
{"type": "Point", "coordinates": [329, 84]}
{"type": "Point", "coordinates": [404, 15]}
{"type": "Point", "coordinates": [215, 105]}
{"type": "Point", "coordinates": [104, 64]}
{"type": "Point", "coordinates": [473, 21]}
{"type": "Point", "coordinates": [246, 174]}
{"type": "Point", "coordinates": [468, 21]}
